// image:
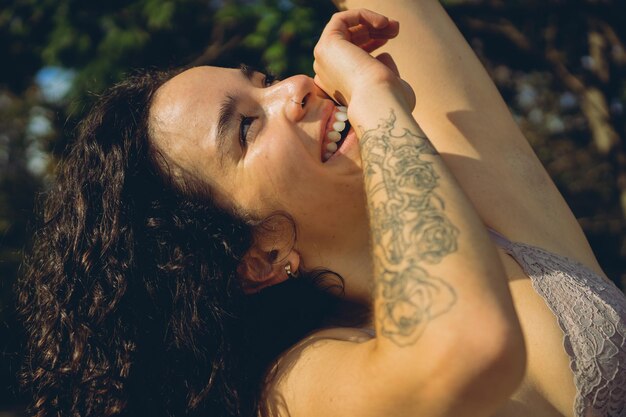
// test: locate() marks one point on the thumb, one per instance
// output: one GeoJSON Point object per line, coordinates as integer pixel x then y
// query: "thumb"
{"type": "Point", "coordinates": [408, 93]}
{"type": "Point", "coordinates": [386, 59]}
{"type": "Point", "coordinates": [335, 95]}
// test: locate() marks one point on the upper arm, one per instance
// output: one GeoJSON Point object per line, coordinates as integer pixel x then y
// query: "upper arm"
{"type": "Point", "coordinates": [337, 374]}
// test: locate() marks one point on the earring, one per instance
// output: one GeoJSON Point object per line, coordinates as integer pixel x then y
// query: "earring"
{"type": "Point", "coordinates": [297, 102]}
{"type": "Point", "coordinates": [288, 271]}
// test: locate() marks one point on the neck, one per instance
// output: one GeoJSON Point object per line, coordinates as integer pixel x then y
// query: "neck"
{"type": "Point", "coordinates": [359, 275]}
{"type": "Point", "coordinates": [349, 255]}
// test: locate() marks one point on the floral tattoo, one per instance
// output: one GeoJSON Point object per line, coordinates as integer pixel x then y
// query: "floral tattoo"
{"type": "Point", "coordinates": [410, 230]}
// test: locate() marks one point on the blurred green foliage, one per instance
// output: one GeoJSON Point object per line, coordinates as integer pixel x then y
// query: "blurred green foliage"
{"type": "Point", "coordinates": [561, 67]}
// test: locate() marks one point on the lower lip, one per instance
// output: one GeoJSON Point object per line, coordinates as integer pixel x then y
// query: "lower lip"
{"type": "Point", "coordinates": [348, 143]}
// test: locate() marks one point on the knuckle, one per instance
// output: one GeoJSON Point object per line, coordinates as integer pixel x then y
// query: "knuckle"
{"type": "Point", "coordinates": [380, 74]}
{"type": "Point", "coordinates": [317, 52]}
{"type": "Point", "coordinates": [338, 16]}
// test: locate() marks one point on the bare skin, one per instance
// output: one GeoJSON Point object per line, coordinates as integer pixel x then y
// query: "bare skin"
{"type": "Point", "coordinates": [471, 127]}
{"type": "Point", "coordinates": [435, 274]}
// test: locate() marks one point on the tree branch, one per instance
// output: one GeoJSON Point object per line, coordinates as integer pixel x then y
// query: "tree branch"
{"type": "Point", "coordinates": [217, 46]}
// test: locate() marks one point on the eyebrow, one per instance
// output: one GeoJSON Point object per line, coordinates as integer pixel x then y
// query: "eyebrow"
{"type": "Point", "coordinates": [226, 112]}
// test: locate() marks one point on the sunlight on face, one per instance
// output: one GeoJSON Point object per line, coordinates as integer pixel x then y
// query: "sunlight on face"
{"type": "Point", "coordinates": [259, 148]}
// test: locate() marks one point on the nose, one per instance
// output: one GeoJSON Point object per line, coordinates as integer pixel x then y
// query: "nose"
{"type": "Point", "coordinates": [293, 95]}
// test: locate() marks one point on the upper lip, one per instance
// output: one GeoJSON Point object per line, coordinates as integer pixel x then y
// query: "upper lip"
{"type": "Point", "coordinates": [326, 116]}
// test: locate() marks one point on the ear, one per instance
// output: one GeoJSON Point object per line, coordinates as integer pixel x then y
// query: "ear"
{"type": "Point", "coordinates": [260, 269]}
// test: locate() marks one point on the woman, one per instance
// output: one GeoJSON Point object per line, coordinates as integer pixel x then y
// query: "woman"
{"type": "Point", "coordinates": [153, 287]}
{"type": "Point", "coordinates": [160, 281]}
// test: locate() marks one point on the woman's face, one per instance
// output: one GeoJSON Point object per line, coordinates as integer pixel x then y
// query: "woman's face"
{"type": "Point", "coordinates": [262, 150]}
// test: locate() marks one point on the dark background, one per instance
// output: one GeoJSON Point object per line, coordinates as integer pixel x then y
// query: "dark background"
{"type": "Point", "coordinates": [560, 66]}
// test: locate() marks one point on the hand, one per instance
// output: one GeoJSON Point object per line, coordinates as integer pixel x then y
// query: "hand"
{"type": "Point", "coordinates": [343, 63]}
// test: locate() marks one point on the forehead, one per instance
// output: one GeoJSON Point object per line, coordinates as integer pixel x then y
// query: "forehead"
{"type": "Point", "coordinates": [198, 83]}
{"type": "Point", "coordinates": [184, 114]}
{"type": "Point", "coordinates": [185, 108]}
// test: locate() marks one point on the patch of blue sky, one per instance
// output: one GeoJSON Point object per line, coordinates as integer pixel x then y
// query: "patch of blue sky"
{"type": "Point", "coordinates": [55, 82]}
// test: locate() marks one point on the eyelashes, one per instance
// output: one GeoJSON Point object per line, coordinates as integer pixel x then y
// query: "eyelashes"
{"type": "Point", "coordinates": [246, 122]}
{"type": "Point", "coordinates": [269, 79]}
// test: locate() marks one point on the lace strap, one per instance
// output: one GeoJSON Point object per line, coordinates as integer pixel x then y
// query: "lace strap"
{"type": "Point", "coordinates": [500, 240]}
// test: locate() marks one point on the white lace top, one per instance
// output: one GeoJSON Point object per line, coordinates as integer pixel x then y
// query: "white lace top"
{"type": "Point", "coordinates": [592, 314]}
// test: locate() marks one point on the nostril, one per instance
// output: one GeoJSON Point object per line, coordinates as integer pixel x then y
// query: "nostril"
{"type": "Point", "coordinates": [304, 99]}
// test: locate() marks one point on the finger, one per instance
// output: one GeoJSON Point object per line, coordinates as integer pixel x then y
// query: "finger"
{"type": "Point", "coordinates": [343, 20]}
{"type": "Point", "coordinates": [360, 34]}
{"type": "Point", "coordinates": [373, 44]}
{"type": "Point", "coordinates": [389, 31]}
{"type": "Point", "coordinates": [366, 17]}
{"type": "Point", "coordinates": [386, 59]}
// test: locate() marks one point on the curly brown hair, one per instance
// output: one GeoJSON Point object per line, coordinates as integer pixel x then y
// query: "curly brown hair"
{"type": "Point", "coordinates": [129, 297]}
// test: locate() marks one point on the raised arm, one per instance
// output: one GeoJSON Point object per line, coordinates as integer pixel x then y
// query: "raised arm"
{"type": "Point", "coordinates": [465, 117]}
{"type": "Point", "coordinates": [447, 333]}
{"type": "Point", "coordinates": [434, 58]}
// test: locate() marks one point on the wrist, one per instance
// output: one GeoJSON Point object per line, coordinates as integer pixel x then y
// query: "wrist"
{"type": "Point", "coordinates": [365, 105]}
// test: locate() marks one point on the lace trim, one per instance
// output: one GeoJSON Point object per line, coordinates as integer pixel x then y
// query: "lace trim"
{"type": "Point", "coordinates": [592, 315]}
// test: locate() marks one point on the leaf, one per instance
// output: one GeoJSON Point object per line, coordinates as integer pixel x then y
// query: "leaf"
{"type": "Point", "coordinates": [159, 14]}
{"type": "Point", "coordinates": [275, 58]}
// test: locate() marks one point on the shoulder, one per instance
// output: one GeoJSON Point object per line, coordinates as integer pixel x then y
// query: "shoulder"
{"type": "Point", "coordinates": [302, 365]}
{"type": "Point", "coordinates": [344, 372]}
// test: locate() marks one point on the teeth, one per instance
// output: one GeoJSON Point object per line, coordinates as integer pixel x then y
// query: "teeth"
{"type": "Point", "coordinates": [334, 136]}
{"type": "Point", "coordinates": [339, 126]}
{"type": "Point", "coordinates": [341, 115]}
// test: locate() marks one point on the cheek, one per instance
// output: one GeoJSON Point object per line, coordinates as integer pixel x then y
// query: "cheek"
{"type": "Point", "coordinates": [270, 184]}
{"type": "Point", "coordinates": [283, 161]}
{"type": "Point", "coordinates": [289, 183]}
{"type": "Point", "coordinates": [288, 179]}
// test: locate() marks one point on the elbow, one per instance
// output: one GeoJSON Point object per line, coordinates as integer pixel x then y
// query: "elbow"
{"type": "Point", "coordinates": [470, 368]}
{"type": "Point", "coordinates": [504, 360]}
{"type": "Point", "coordinates": [495, 355]}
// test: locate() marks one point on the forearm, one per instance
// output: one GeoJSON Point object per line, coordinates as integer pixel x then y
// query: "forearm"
{"type": "Point", "coordinates": [438, 277]}
{"type": "Point", "coordinates": [437, 273]}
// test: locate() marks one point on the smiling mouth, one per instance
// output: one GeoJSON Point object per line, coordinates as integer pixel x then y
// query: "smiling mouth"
{"type": "Point", "coordinates": [337, 133]}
